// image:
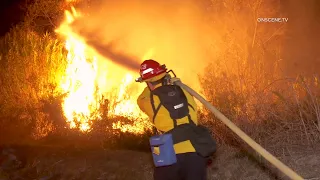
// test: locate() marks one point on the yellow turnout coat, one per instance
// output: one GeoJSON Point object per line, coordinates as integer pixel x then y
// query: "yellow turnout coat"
{"type": "Point", "coordinates": [163, 121]}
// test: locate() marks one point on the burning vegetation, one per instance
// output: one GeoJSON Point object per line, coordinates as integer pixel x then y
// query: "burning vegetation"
{"type": "Point", "coordinates": [86, 68]}
{"type": "Point", "coordinates": [82, 83]}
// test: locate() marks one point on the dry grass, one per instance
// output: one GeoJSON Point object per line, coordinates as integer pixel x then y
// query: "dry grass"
{"type": "Point", "coordinates": [71, 163]}
{"type": "Point", "coordinates": [276, 114]}
{"type": "Point", "coordinates": [32, 67]}
{"type": "Point", "coordinates": [53, 162]}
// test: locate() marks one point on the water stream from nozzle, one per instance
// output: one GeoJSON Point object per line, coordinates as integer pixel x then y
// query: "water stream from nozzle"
{"type": "Point", "coordinates": [107, 50]}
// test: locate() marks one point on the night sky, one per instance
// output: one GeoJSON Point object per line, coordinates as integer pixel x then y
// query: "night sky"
{"type": "Point", "coordinates": [10, 14]}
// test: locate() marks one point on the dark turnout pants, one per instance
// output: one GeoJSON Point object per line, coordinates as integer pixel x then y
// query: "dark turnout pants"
{"type": "Point", "coordinates": [189, 166]}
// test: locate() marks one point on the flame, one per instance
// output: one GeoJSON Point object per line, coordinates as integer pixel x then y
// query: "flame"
{"type": "Point", "coordinates": [72, 1]}
{"type": "Point", "coordinates": [84, 89]}
{"type": "Point", "coordinates": [149, 54]}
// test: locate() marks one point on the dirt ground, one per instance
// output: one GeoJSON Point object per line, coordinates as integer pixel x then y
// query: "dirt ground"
{"type": "Point", "coordinates": [71, 163]}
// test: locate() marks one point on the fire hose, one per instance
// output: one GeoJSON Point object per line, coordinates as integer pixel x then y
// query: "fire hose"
{"type": "Point", "coordinates": [273, 160]}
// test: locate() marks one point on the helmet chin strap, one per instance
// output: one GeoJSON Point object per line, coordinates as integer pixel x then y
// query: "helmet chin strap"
{"type": "Point", "coordinates": [150, 86]}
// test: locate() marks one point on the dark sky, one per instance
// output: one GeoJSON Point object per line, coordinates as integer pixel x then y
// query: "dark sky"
{"type": "Point", "coordinates": [10, 13]}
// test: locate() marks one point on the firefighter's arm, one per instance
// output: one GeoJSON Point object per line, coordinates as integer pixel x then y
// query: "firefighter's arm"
{"type": "Point", "coordinates": [144, 104]}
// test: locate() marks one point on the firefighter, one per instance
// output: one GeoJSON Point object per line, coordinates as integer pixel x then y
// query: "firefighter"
{"type": "Point", "coordinates": [172, 110]}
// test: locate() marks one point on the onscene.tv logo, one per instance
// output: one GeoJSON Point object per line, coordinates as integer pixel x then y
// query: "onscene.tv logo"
{"type": "Point", "coordinates": [273, 20]}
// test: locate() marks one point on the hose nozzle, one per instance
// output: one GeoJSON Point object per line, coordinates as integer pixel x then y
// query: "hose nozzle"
{"type": "Point", "coordinates": [139, 79]}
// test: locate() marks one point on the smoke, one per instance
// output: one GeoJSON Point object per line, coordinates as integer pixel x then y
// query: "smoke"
{"type": "Point", "coordinates": [301, 49]}
{"type": "Point", "coordinates": [124, 31]}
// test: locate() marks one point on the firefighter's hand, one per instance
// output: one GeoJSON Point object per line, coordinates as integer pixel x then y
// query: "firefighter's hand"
{"type": "Point", "coordinates": [173, 80]}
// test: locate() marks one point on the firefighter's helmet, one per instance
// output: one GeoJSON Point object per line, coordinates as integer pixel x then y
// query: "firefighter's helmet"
{"type": "Point", "coordinates": [151, 70]}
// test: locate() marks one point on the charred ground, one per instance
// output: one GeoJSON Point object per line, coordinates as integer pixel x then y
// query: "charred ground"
{"type": "Point", "coordinates": [70, 162]}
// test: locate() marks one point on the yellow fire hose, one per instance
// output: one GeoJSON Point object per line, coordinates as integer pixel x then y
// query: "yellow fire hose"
{"type": "Point", "coordinates": [273, 160]}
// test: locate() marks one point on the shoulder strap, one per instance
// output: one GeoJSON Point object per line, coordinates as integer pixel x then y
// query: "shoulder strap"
{"type": "Point", "coordinates": [156, 110]}
{"type": "Point", "coordinates": [191, 106]}
{"type": "Point", "coordinates": [190, 120]}
{"type": "Point", "coordinates": [186, 98]}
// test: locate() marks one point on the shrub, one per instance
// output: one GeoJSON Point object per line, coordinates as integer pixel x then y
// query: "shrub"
{"type": "Point", "coordinates": [32, 66]}
{"type": "Point", "coordinates": [275, 112]}
{"type": "Point", "coordinates": [246, 82]}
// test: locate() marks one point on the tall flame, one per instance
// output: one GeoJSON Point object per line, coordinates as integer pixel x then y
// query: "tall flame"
{"type": "Point", "coordinates": [83, 91]}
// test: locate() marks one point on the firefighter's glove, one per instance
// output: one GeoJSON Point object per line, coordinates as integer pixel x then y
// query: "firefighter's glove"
{"type": "Point", "coordinates": [174, 80]}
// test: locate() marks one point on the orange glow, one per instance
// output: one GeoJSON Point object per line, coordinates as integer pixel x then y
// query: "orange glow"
{"type": "Point", "coordinates": [72, 1]}
{"type": "Point", "coordinates": [144, 32]}
{"type": "Point", "coordinates": [86, 82]}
